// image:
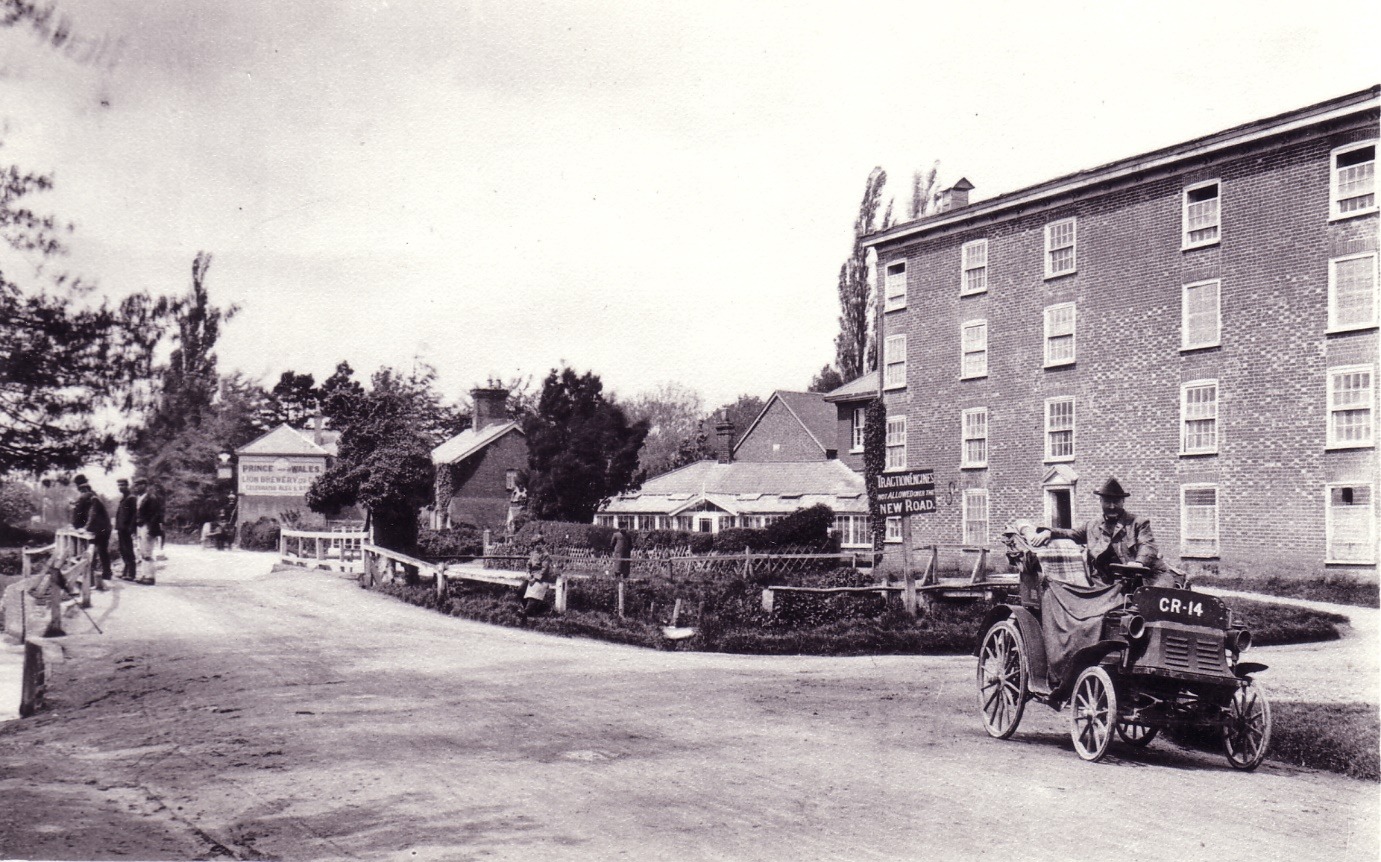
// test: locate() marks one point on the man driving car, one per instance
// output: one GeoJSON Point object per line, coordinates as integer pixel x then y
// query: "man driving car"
{"type": "Point", "coordinates": [1115, 536]}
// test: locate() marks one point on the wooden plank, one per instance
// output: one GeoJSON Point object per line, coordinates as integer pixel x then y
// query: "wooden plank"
{"type": "Point", "coordinates": [908, 574]}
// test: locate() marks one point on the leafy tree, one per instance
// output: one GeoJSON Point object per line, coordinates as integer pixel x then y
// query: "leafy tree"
{"type": "Point", "coordinates": [925, 191]}
{"type": "Point", "coordinates": [16, 502]}
{"type": "Point", "coordinates": [853, 346]}
{"type": "Point", "coordinates": [827, 379]}
{"type": "Point", "coordinates": [582, 449]}
{"type": "Point", "coordinates": [339, 394]}
{"type": "Point", "coordinates": [293, 400]}
{"type": "Point", "coordinates": [673, 413]}
{"type": "Point", "coordinates": [740, 412]}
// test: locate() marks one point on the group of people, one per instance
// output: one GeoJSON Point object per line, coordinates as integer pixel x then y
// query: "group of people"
{"type": "Point", "coordinates": [541, 573]}
{"type": "Point", "coordinates": [138, 527]}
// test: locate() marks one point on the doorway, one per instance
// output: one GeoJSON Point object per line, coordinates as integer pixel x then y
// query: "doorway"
{"type": "Point", "coordinates": [1059, 507]}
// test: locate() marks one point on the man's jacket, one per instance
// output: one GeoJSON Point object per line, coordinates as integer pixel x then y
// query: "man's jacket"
{"type": "Point", "coordinates": [124, 514]}
{"type": "Point", "coordinates": [97, 518]}
{"type": "Point", "coordinates": [1126, 540]}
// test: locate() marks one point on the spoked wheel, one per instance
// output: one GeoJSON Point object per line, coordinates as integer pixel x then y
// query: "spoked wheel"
{"type": "Point", "coordinates": [1248, 729]}
{"type": "Point", "coordinates": [1139, 735]}
{"type": "Point", "coordinates": [1002, 691]}
{"type": "Point", "coordinates": [1094, 713]}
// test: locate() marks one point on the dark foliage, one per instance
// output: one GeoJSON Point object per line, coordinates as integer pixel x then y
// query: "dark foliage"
{"type": "Point", "coordinates": [854, 352]}
{"type": "Point", "coordinates": [735, 539]}
{"type": "Point", "coordinates": [804, 528]}
{"type": "Point", "coordinates": [827, 379]}
{"type": "Point", "coordinates": [456, 542]}
{"type": "Point", "coordinates": [874, 461]}
{"type": "Point", "coordinates": [23, 535]}
{"type": "Point", "coordinates": [260, 535]}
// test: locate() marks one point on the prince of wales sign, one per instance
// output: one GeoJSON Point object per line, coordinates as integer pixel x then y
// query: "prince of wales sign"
{"type": "Point", "coordinates": [908, 493]}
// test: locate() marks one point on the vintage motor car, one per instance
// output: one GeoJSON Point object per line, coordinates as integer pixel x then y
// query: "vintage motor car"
{"type": "Point", "coordinates": [1128, 659]}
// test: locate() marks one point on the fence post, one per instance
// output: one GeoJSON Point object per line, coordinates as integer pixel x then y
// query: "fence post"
{"type": "Point", "coordinates": [908, 573]}
{"type": "Point", "coordinates": [88, 568]}
{"type": "Point", "coordinates": [441, 582]}
{"type": "Point", "coordinates": [282, 544]}
{"type": "Point", "coordinates": [561, 590]}
{"type": "Point", "coordinates": [768, 599]}
{"type": "Point", "coordinates": [620, 598]}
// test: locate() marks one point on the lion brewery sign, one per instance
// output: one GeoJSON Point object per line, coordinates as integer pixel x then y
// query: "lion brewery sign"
{"type": "Point", "coordinates": [907, 493]}
{"type": "Point", "coordinates": [274, 473]}
{"type": "Point", "coordinates": [284, 476]}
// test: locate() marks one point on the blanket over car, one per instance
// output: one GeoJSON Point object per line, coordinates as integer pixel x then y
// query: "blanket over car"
{"type": "Point", "coordinates": [1071, 619]}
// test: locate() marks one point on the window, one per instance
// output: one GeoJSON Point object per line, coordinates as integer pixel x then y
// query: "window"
{"type": "Point", "coordinates": [1198, 520]}
{"type": "Point", "coordinates": [974, 335]}
{"type": "Point", "coordinates": [510, 479]}
{"type": "Point", "coordinates": [1059, 334]}
{"type": "Point", "coordinates": [892, 530]}
{"type": "Point", "coordinates": [975, 441]}
{"type": "Point", "coordinates": [896, 442]}
{"type": "Point", "coordinates": [896, 285]}
{"type": "Point", "coordinates": [853, 531]}
{"type": "Point", "coordinates": [856, 435]}
{"type": "Point", "coordinates": [1201, 216]}
{"type": "Point", "coordinates": [1351, 407]}
{"type": "Point", "coordinates": [1059, 248]}
{"type": "Point", "coordinates": [1350, 524]}
{"type": "Point", "coordinates": [894, 362]}
{"type": "Point", "coordinates": [1352, 292]}
{"type": "Point", "coordinates": [976, 516]}
{"type": "Point", "coordinates": [1199, 318]}
{"type": "Point", "coordinates": [1353, 188]}
{"type": "Point", "coordinates": [1199, 417]}
{"type": "Point", "coordinates": [974, 267]}
{"type": "Point", "coordinates": [1059, 429]}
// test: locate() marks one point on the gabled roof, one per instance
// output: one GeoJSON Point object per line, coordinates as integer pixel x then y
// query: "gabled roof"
{"type": "Point", "coordinates": [859, 389]}
{"type": "Point", "coordinates": [285, 440]}
{"type": "Point", "coordinates": [470, 441]}
{"type": "Point", "coordinates": [809, 409]}
{"type": "Point", "coordinates": [746, 487]}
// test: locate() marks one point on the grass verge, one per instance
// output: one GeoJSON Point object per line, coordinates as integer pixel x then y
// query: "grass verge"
{"type": "Point", "coordinates": [1275, 624]}
{"type": "Point", "coordinates": [1336, 737]}
{"type": "Point", "coordinates": [1338, 592]}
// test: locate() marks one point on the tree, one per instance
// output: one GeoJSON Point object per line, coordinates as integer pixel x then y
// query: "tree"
{"type": "Point", "coordinates": [853, 346]}
{"type": "Point", "coordinates": [740, 413]}
{"type": "Point", "coordinates": [827, 379]}
{"type": "Point", "coordinates": [673, 413]}
{"type": "Point", "coordinates": [293, 400]}
{"type": "Point", "coordinates": [582, 449]}
{"type": "Point", "coordinates": [339, 394]}
{"type": "Point", "coordinates": [924, 190]}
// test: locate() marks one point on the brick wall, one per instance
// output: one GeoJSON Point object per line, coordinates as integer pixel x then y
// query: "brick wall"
{"type": "Point", "coordinates": [481, 496]}
{"type": "Point", "coordinates": [1272, 260]}
{"type": "Point", "coordinates": [779, 436]}
{"type": "Point", "coordinates": [843, 439]}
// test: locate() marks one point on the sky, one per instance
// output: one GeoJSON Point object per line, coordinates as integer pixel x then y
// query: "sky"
{"type": "Point", "coordinates": [654, 192]}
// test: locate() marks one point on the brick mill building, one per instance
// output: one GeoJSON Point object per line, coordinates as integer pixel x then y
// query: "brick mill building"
{"type": "Point", "coordinates": [1199, 321]}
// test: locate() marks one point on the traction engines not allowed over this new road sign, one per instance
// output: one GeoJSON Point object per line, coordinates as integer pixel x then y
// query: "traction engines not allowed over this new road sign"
{"type": "Point", "coordinates": [909, 493]}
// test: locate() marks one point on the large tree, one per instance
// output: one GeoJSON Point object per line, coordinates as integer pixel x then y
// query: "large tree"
{"type": "Point", "coordinates": [854, 355]}
{"type": "Point", "coordinates": [673, 413]}
{"type": "Point", "coordinates": [293, 400]}
{"type": "Point", "coordinates": [582, 448]}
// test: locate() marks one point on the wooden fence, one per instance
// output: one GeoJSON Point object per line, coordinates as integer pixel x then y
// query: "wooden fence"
{"type": "Point", "coordinates": [323, 549]}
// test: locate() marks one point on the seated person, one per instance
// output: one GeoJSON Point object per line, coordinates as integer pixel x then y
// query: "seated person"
{"type": "Point", "coordinates": [1116, 536]}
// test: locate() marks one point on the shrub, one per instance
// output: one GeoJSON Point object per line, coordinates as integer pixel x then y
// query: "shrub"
{"type": "Point", "coordinates": [569, 534]}
{"type": "Point", "coordinates": [734, 540]}
{"type": "Point", "coordinates": [463, 541]}
{"type": "Point", "coordinates": [807, 528]}
{"type": "Point", "coordinates": [18, 536]}
{"type": "Point", "coordinates": [260, 535]}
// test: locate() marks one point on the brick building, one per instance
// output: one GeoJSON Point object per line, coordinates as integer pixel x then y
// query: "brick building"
{"type": "Point", "coordinates": [477, 469]}
{"type": "Point", "coordinates": [1199, 321]}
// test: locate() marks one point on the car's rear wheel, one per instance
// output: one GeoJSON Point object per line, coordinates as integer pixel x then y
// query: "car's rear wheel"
{"type": "Point", "coordinates": [1002, 686]}
{"type": "Point", "coordinates": [1247, 731]}
{"type": "Point", "coordinates": [1094, 713]}
{"type": "Point", "coordinates": [1134, 733]}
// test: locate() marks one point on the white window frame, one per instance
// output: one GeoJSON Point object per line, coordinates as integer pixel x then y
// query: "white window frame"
{"type": "Point", "coordinates": [1217, 339]}
{"type": "Point", "coordinates": [970, 497]}
{"type": "Point", "coordinates": [856, 427]}
{"type": "Point", "coordinates": [1072, 334]}
{"type": "Point", "coordinates": [853, 531]}
{"type": "Point", "coordinates": [969, 262]}
{"type": "Point", "coordinates": [1185, 230]}
{"type": "Point", "coordinates": [896, 442]}
{"type": "Point", "coordinates": [1073, 430]}
{"type": "Point", "coordinates": [891, 530]}
{"type": "Point", "coordinates": [1369, 518]}
{"type": "Point", "coordinates": [1185, 418]}
{"type": "Point", "coordinates": [1185, 538]}
{"type": "Point", "coordinates": [894, 368]}
{"type": "Point", "coordinates": [894, 277]}
{"type": "Point", "coordinates": [965, 438]}
{"type": "Point", "coordinates": [1073, 246]}
{"type": "Point", "coordinates": [964, 350]}
{"type": "Point", "coordinates": [1368, 403]}
{"type": "Point", "coordinates": [1333, 324]}
{"type": "Point", "coordinates": [1335, 213]}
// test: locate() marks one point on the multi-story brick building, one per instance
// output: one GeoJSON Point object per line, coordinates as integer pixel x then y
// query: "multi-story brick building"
{"type": "Point", "coordinates": [1199, 321]}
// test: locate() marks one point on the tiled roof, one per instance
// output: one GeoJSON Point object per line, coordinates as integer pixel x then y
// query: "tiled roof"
{"type": "Point", "coordinates": [284, 440]}
{"type": "Point", "coordinates": [468, 442]}
{"type": "Point", "coordinates": [809, 408]}
{"type": "Point", "coordinates": [859, 389]}
{"type": "Point", "coordinates": [749, 487]}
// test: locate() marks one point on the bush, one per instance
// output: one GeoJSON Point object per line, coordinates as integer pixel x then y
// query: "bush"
{"type": "Point", "coordinates": [806, 528]}
{"type": "Point", "coordinates": [21, 535]}
{"type": "Point", "coordinates": [735, 539]}
{"type": "Point", "coordinates": [569, 534]}
{"type": "Point", "coordinates": [260, 535]}
{"type": "Point", "coordinates": [463, 541]}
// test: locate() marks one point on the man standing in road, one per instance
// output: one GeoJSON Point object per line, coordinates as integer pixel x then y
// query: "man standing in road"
{"type": "Point", "coordinates": [98, 525]}
{"type": "Point", "coordinates": [147, 512]}
{"type": "Point", "coordinates": [125, 525]}
{"type": "Point", "coordinates": [1116, 536]}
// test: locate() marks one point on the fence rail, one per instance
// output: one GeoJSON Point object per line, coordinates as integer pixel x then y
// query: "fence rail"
{"type": "Point", "coordinates": [323, 549]}
{"type": "Point", "coordinates": [36, 598]}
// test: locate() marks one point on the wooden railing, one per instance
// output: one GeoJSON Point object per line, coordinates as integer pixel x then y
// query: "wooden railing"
{"type": "Point", "coordinates": [382, 565]}
{"type": "Point", "coordinates": [322, 549]}
{"type": "Point", "coordinates": [71, 554]}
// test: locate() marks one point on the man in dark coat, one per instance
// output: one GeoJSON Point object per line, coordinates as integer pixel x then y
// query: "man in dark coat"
{"type": "Point", "coordinates": [98, 525]}
{"type": "Point", "coordinates": [1116, 536]}
{"type": "Point", "coordinates": [125, 526]}
{"type": "Point", "coordinates": [148, 515]}
{"type": "Point", "coordinates": [621, 548]}
{"type": "Point", "coordinates": [81, 504]}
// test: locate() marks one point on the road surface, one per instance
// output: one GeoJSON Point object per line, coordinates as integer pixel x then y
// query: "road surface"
{"type": "Point", "coordinates": [236, 712]}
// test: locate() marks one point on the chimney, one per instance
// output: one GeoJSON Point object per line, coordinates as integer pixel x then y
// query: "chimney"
{"type": "Point", "coordinates": [490, 407]}
{"type": "Point", "coordinates": [955, 196]}
{"type": "Point", "coordinates": [316, 428]}
{"type": "Point", "coordinates": [724, 438]}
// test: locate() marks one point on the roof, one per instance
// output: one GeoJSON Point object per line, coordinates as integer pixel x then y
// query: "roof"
{"type": "Point", "coordinates": [748, 487]}
{"type": "Point", "coordinates": [470, 441]}
{"type": "Point", "coordinates": [286, 440]}
{"type": "Point", "coordinates": [1060, 189]}
{"type": "Point", "coordinates": [809, 409]}
{"type": "Point", "coordinates": [859, 389]}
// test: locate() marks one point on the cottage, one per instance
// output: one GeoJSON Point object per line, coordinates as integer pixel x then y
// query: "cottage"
{"type": "Point", "coordinates": [276, 469]}
{"type": "Point", "coordinates": [477, 469]}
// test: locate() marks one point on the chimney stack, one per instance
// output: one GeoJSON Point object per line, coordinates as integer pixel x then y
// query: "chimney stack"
{"type": "Point", "coordinates": [724, 438]}
{"type": "Point", "coordinates": [491, 407]}
{"type": "Point", "coordinates": [955, 196]}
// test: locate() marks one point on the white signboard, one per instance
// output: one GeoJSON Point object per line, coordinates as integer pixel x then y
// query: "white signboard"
{"type": "Point", "coordinates": [278, 475]}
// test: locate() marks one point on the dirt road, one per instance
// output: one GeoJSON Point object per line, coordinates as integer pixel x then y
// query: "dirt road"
{"type": "Point", "coordinates": [235, 712]}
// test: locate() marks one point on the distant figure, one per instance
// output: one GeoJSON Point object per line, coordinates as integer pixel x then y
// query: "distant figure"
{"type": "Point", "coordinates": [125, 526]}
{"type": "Point", "coordinates": [98, 525]}
{"type": "Point", "coordinates": [621, 548]}
{"type": "Point", "coordinates": [541, 576]}
{"type": "Point", "coordinates": [79, 506]}
{"type": "Point", "coordinates": [148, 513]}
